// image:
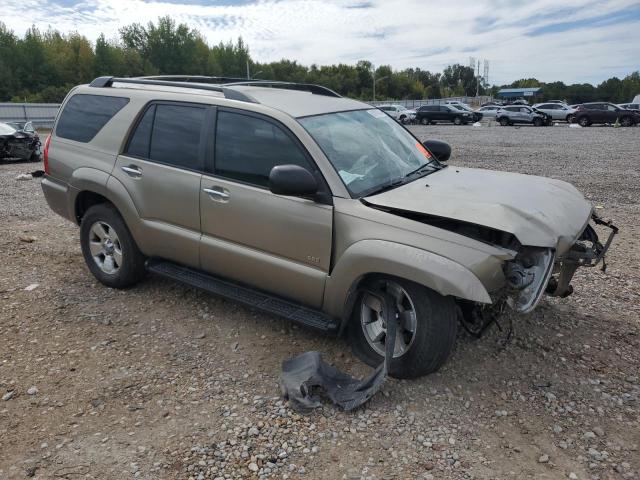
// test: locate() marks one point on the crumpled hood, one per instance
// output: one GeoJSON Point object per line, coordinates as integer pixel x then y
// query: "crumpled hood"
{"type": "Point", "coordinates": [539, 211]}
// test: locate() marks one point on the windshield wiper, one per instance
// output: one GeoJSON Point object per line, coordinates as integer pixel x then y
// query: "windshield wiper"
{"type": "Point", "coordinates": [384, 187]}
{"type": "Point", "coordinates": [420, 169]}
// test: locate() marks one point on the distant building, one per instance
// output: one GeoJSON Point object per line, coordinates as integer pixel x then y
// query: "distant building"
{"type": "Point", "coordinates": [512, 93]}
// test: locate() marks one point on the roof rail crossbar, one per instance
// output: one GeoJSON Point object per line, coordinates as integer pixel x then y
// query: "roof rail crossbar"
{"type": "Point", "coordinates": [307, 87]}
{"type": "Point", "coordinates": [194, 78]}
{"type": "Point", "coordinates": [102, 82]}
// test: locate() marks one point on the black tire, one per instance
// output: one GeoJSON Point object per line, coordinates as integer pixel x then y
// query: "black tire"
{"type": "Point", "coordinates": [34, 157]}
{"type": "Point", "coordinates": [457, 121]}
{"type": "Point", "coordinates": [584, 121]}
{"type": "Point", "coordinates": [626, 121]}
{"type": "Point", "coordinates": [504, 121]}
{"type": "Point", "coordinates": [537, 122]}
{"type": "Point", "coordinates": [132, 269]}
{"type": "Point", "coordinates": [424, 121]}
{"type": "Point", "coordinates": [434, 337]}
{"type": "Point", "coordinates": [403, 119]}
{"type": "Point", "coordinates": [570, 118]}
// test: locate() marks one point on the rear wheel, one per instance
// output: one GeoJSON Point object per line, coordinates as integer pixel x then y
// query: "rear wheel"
{"type": "Point", "coordinates": [109, 249]}
{"type": "Point", "coordinates": [424, 121]}
{"type": "Point", "coordinates": [504, 121]}
{"type": "Point", "coordinates": [425, 330]}
{"type": "Point", "coordinates": [584, 121]}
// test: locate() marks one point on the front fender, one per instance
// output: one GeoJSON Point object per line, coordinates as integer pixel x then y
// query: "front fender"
{"type": "Point", "coordinates": [379, 256]}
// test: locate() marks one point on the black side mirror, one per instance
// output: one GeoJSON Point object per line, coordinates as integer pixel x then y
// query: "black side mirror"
{"type": "Point", "coordinates": [441, 150]}
{"type": "Point", "coordinates": [292, 180]}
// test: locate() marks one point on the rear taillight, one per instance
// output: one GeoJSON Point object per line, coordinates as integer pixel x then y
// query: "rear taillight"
{"type": "Point", "coordinates": [45, 154]}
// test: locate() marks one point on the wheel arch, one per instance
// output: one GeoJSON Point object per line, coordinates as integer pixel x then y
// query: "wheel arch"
{"type": "Point", "coordinates": [91, 188]}
{"type": "Point", "coordinates": [368, 258]}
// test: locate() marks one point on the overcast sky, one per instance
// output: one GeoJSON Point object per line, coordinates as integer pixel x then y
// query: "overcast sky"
{"type": "Point", "coordinates": [569, 40]}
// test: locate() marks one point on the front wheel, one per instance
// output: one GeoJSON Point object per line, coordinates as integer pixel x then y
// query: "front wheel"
{"type": "Point", "coordinates": [109, 249]}
{"type": "Point", "coordinates": [569, 118]}
{"type": "Point", "coordinates": [537, 122]}
{"type": "Point", "coordinates": [457, 121]}
{"type": "Point", "coordinates": [424, 121]}
{"type": "Point", "coordinates": [425, 329]}
{"type": "Point", "coordinates": [584, 121]}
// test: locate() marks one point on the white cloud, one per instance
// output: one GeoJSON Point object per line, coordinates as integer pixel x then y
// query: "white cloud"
{"type": "Point", "coordinates": [406, 33]}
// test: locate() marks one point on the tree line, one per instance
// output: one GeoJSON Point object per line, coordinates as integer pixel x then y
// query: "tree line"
{"type": "Point", "coordinates": [43, 66]}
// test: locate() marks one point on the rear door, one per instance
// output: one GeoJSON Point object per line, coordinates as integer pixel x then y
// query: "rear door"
{"type": "Point", "coordinates": [444, 113]}
{"type": "Point", "coordinates": [276, 243]}
{"type": "Point", "coordinates": [161, 168]}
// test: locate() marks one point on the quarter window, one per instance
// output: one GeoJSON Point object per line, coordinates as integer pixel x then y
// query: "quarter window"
{"type": "Point", "coordinates": [247, 148]}
{"type": "Point", "coordinates": [85, 115]}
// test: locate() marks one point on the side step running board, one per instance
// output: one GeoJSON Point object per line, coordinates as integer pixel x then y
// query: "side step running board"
{"type": "Point", "coordinates": [252, 298]}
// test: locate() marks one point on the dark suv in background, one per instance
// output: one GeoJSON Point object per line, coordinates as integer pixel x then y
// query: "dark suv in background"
{"type": "Point", "coordinates": [604, 112]}
{"type": "Point", "coordinates": [431, 114]}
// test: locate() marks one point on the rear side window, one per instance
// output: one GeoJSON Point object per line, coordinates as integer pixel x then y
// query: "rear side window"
{"type": "Point", "coordinates": [170, 134]}
{"type": "Point", "coordinates": [247, 148]}
{"type": "Point", "coordinates": [85, 115]}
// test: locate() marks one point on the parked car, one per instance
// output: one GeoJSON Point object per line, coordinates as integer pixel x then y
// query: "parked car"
{"type": "Point", "coordinates": [432, 114]}
{"type": "Point", "coordinates": [489, 110]}
{"type": "Point", "coordinates": [492, 103]}
{"type": "Point", "coordinates": [475, 115]}
{"type": "Point", "coordinates": [19, 140]}
{"type": "Point", "coordinates": [513, 114]}
{"type": "Point", "coordinates": [603, 112]}
{"type": "Point", "coordinates": [558, 111]}
{"type": "Point", "coordinates": [399, 112]}
{"type": "Point", "coordinates": [520, 102]}
{"type": "Point", "coordinates": [630, 106]}
{"type": "Point", "coordinates": [300, 202]}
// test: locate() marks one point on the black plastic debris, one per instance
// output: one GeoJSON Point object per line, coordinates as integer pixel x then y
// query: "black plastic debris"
{"type": "Point", "coordinates": [306, 376]}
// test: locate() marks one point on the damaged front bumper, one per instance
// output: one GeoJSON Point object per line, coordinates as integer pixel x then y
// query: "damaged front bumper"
{"type": "Point", "coordinates": [588, 251]}
{"type": "Point", "coordinates": [536, 271]}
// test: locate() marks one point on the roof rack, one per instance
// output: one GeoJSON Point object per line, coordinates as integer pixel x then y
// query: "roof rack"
{"type": "Point", "coordinates": [307, 87]}
{"type": "Point", "coordinates": [103, 82]}
{"type": "Point", "coordinates": [194, 78]}
{"type": "Point", "coordinates": [221, 84]}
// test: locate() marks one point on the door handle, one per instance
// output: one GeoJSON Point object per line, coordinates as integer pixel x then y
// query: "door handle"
{"type": "Point", "coordinates": [132, 171]}
{"type": "Point", "coordinates": [217, 193]}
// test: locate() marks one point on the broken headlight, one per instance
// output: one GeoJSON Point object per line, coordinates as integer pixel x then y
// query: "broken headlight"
{"type": "Point", "coordinates": [527, 276]}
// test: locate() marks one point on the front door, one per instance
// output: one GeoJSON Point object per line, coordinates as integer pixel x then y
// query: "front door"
{"type": "Point", "coordinates": [161, 169]}
{"type": "Point", "coordinates": [276, 243]}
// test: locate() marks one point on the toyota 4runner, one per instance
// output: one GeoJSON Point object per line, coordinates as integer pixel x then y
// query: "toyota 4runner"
{"type": "Point", "coordinates": [318, 208]}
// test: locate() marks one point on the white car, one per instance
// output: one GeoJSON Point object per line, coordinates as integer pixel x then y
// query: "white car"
{"type": "Point", "coordinates": [630, 106]}
{"type": "Point", "coordinates": [558, 111]}
{"type": "Point", "coordinates": [489, 111]}
{"type": "Point", "coordinates": [399, 112]}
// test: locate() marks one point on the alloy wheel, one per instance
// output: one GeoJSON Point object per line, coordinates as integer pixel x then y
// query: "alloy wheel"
{"type": "Point", "coordinates": [373, 321]}
{"type": "Point", "coordinates": [105, 247]}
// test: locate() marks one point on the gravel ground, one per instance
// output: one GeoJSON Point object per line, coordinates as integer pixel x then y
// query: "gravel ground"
{"type": "Point", "coordinates": [163, 381]}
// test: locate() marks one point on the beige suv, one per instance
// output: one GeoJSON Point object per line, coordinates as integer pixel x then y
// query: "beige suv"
{"type": "Point", "coordinates": [318, 208]}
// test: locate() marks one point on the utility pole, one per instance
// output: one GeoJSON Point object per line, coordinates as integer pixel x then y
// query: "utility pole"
{"type": "Point", "coordinates": [376, 80]}
{"type": "Point", "coordinates": [248, 75]}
